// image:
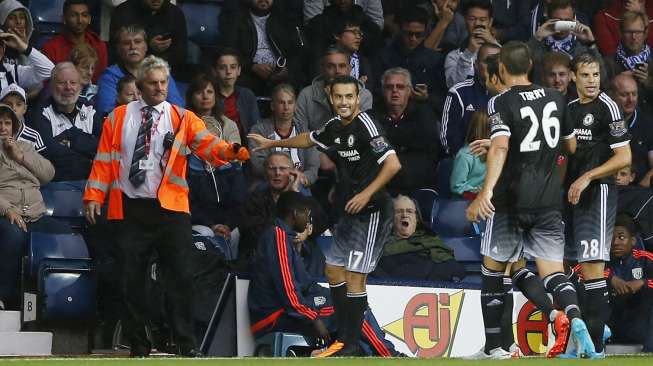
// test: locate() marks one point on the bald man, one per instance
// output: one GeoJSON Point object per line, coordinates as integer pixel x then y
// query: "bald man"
{"type": "Point", "coordinates": [624, 91]}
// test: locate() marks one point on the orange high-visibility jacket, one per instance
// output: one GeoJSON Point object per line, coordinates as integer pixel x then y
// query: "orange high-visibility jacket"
{"type": "Point", "coordinates": [191, 135]}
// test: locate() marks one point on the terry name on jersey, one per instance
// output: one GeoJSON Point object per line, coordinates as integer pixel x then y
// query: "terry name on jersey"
{"type": "Point", "coordinates": [533, 94]}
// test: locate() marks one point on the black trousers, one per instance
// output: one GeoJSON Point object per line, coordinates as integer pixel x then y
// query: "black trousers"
{"type": "Point", "coordinates": [148, 228]}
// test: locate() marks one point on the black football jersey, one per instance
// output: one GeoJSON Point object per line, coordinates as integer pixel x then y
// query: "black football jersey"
{"type": "Point", "coordinates": [600, 127]}
{"type": "Point", "coordinates": [534, 119]}
{"type": "Point", "coordinates": [360, 149]}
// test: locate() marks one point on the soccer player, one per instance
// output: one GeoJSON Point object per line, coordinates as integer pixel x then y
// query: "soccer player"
{"type": "Point", "coordinates": [521, 195]}
{"type": "Point", "coordinates": [603, 149]}
{"type": "Point", "coordinates": [366, 164]}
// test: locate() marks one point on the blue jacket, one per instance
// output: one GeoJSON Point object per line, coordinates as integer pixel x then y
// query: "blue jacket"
{"type": "Point", "coordinates": [636, 266]}
{"type": "Point", "coordinates": [462, 101]}
{"type": "Point", "coordinates": [105, 99]}
{"type": "Point", "coordinates": [280, 282]}
{"type": "Point", "coordinates": [468, 172]}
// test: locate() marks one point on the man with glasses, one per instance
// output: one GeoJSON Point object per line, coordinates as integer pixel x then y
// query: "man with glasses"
{"type": "Point", "coordinates": [411, 127]}
{"type": "Point", "coordinates": [633, 56]}
{"type": "Point", "coordinates": [349, 36]}
{"type": "Point", "coordinates": [459, 64]}
{"type": "Point", "coordinates": [407, 50]}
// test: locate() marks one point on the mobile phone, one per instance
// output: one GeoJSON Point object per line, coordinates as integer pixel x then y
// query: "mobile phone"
{"type": "Point", "coordinates": [564, 26]}
{"type": "Point", "coordinates": [166, 35]}
{"type": "Point", "coordinates": [421, 87]}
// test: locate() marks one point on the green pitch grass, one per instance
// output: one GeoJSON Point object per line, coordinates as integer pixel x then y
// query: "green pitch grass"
{"type": "Point", "coordinates": [611, 361]}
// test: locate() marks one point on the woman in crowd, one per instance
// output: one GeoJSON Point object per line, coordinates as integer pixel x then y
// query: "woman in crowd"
{"type": "Point", "coordinates": [469, 165]}
{"type": "Point", "coordinates": [201, 99]}
{"type": "Point", "coordinates": [85, 59]}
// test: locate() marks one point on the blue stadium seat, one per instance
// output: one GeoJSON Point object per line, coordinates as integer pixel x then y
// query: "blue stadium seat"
{"type": "Point", "coordinates": [47, 246]}
{"type": "Point", "coordinates": [48, 19]}
{"type": "Point", "coordinates": [67, 290]}
{"type": "Point", "coordinates": [443, 176]}
{"type": "Point", "coordinates": [466, 249]}
{"type": "Point", "coordinates": [451, 220]}
{"type": "Point", "coordinates": [427, 200]}
{"type": "Point", "coordinates": [281, 344]}
{"type": "Point", "coordinates": [63, 200]}
{"type": "Point", "coordinates": [202, 21]}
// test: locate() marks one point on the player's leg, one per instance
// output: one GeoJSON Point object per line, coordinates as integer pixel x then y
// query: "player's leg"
{"type": "Point", "coordinates": [507, 335]}
{"type": "Point", "coordinates": [594, 225]}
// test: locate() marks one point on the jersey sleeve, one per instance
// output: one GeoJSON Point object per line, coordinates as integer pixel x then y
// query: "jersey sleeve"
{"type": "Point", "coordinates": [325, 135]}
{"type": "Point", "coordinates": [618, 131]}
{"type": "Point", "coordinates": [374, 135]}
{"type": "Point", "coordinates": [499, 117]}
{"type": "Point", "coordinates": [567, 124]}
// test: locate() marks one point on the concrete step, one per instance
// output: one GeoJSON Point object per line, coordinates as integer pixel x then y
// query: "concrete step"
{"type": "Point", "coordinates": [622, 349]}
{"type": "Point", "coordinates": [25, 344]}
{"type": "Point", "coordinates": [9, 321]}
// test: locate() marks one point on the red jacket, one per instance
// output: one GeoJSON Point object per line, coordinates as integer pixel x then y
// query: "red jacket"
{"type": "Point", "coordinates": [606, 26]}
{"type": "Point", "coordinates": [58, 50]}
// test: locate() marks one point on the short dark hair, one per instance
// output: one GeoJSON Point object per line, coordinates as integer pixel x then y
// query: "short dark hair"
{"type": "Point", "coordinates": [124, 81]}
{"type": "Point", "coordinates": [227, 51]}
{"type": "Point", "coordinates": [492, 63]}
{"type": "Point", "coordinates": [560, 4]}
{"type": "Point", "coordinates": [289, 201]}
{"type": "Point", "coordinates": [516, 57]}
{"type": "Point", "coordinates": [345, 21]}
{"type": "Point", "coordinates": [480, 4]}
{"type": "Point", "coordinates": [68, 3]}
{"type": "Point", "coordinates": [334, 50]}
{"type": "Point", "coordinates": [413, 14]}
{"type": "Point", "coordinates": [626, 221]}
{"type": "Point", "coordinates": [200, 82]}
{"type": "Point", "coordinates": [584, 58]}
{"type": "Point", "coordinates": [345, 79]}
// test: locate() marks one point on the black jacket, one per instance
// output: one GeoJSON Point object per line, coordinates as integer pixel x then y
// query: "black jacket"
{"type": "Point", "coordinates": [169, 19]}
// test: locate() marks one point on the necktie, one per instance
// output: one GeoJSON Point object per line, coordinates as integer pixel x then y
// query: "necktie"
{"type": "Point", "coordinates": [136, 174]}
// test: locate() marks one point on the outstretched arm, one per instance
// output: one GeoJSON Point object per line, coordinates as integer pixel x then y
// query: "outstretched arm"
{"type": "Point", "coordinates": [302, 141]}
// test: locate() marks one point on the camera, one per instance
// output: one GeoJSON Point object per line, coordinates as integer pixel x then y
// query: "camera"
{"type": "Point", "coordinates": [168, 140]}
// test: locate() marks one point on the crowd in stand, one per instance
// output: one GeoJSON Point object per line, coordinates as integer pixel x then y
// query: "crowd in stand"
{"type": "Point", "coordinates": [423, 73]}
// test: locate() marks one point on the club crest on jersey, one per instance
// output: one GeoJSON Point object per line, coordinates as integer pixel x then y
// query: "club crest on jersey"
{"type": "Point", "coordinates": [379, 144]}
{"type": "Point", "coordinates": [637, 273]}
{"type": "Point", "coordinates": [588, 119]}
{"type": "Point", "coordinates": [350, 140]}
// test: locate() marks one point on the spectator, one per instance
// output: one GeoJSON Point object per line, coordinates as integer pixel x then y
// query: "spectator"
{"type": "Point", "coordinates": [459, 64]}
{"type": "Point", "coordinates": [237, 102]}
{"type": "Point", "coordinates": [14, 96]}
{"type": "Point", "coordinates": [16, 18]}
{"type": "Point", "coordinates": [32, 74]}
{"type": "Point", "coordinates": [607, 24]}
{"type": "Point", "coordinates": [76, 21]}
{"type": "Point", "coordinates": [542, 13]}
{"type": "Point", "coordinates": [267, 44]}
{"type": "Point", "coordinates": [633, 54]}
{"type": "Point", "coordinates": [512, 20]}
{"type": "Point", "coordinates": [85, 60]}
{"type": "Point", "coordinates": [131, 46]}
{"type": "Point", "coordinates": [69, 130]}
{"type": "Point", "coordinates": [412, 129]}
{"type": "Point", "coordinates": [372, 8]}
{"type": "Point", "coordinates": [447, 30]}
{"type": "Point", "coordinates": [624, 176]}
{"type": "Point", "coordinates": [408, 50]}
{"type": "Point", "coordinates": [162, 21]}
{"type": "Point", "coordinates": [258, 210]}
{"type": "Point", "coordinates": [625, 93]}
{"type": "Point", "coordinates": [469, 169]}
{"type": "Point", "coordinates": [556, 74]}
{"type": "Point", "coordinates": [22, 172]}
{"type": "Point", "coordinates": [493, 82]}
{"type": "Point", "coordinates": [127, 90]}
{"type": "Point", "coordinates": [630, 282]}
{"type": "Point", "coordinates": [284, 296]}
{"type": "Point", "coordinates": [201, 99]}
{"type": "Point", "coordinates": [348, 36]}
{"type": "Point", "coordinates": [149, 206]}
{"type": "Point", "coordinates": [313, 107]}
{"type": "Point", "coordinates": [282, 125]}
{"type": "Point", "coordinates": [415, 253]}
{"type": "Point", "coordinates": [462, 101]}
{"type": "Point", "coordinates": [571, 43]}
{"type": "Point", "coordinates": [320, 28]}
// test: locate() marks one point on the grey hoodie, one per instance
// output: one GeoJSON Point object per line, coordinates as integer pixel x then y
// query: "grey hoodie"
{"type": "Point", "coordinates": [7, 6]}
{"type": "Point", "coordinates": [20, 183]}
{"type": "Point", "coordinates": [314, 109]}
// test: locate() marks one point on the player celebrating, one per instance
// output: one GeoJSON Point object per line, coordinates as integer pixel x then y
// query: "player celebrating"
{"type": "Point", "coordinates": [603, 149]}
{"type": "Point", "coordinates": [366, 163]}
{"type": "Point", "coordinates": [522, 202]}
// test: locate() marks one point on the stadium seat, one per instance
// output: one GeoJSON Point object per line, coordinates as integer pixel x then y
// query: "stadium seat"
{"type": "Point", "coordinates": [63, 200]}
{"type": "Point", "coordinates": [443, 175]}
{"type": "Point", "coordinates": [280, 344]}
{"type": "Point", "coordinates": [47, 246]}
{"type": "Point", "coordinates": [467, 250]}
{"type": "Point", "coordinates": [451, 219]}
{"type": "Point", "coordinates": [48, 20]}
{"type": "Point", "coordinates": [66, 289]}
{"type": "Point", "coordinates": [202, 21]}
{"type": "Point", "coordinates": [427, 200]}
